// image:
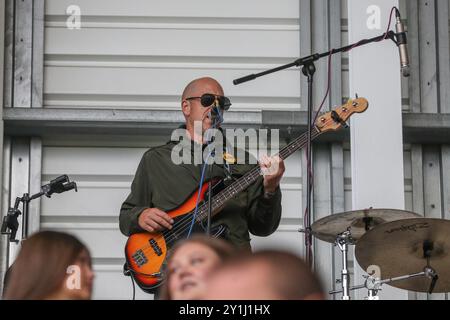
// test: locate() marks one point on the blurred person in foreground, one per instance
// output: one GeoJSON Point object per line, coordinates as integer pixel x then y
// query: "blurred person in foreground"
{"type": "Point", "coordinates": [264, 275]}
{"type": "Point", "coordinates": [50, 266]}
{"type": "Point", "coordinates": [190, 264]}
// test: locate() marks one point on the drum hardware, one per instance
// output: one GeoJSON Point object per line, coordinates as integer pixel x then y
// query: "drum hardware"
{"type": "Point", "coordinates": [342, 241]}
{"type": "Point", "coordinates": [346, 229]}
{"type": "Point", "coordinates": [373, 284]}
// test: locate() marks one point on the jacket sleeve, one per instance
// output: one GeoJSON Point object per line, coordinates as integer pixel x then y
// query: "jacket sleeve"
{"type": "Point", "coordinates": [263, 215]}
{"type": "Point", "coordinates": [137, 201]}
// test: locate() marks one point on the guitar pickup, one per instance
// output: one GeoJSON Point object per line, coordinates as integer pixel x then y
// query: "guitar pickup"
{"type": "Point", "coordinates": [155, 247]}
{"type": "Point", "coordinates": [335, 116]}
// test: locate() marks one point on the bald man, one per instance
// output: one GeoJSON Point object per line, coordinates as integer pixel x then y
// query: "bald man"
{"type": "Point", "coordinates": [161, 185]}
{"type": "Point", "coordinates": [265, 275]}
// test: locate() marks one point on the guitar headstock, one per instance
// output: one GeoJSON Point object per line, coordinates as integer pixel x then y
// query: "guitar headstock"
{"type": "Point", "coordinates": [335, 119]}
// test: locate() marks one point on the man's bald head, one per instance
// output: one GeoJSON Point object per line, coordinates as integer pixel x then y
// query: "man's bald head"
{"type": "Point", "coordinates": [195, 86]}
{"type": "Point", "coordinates": [193, 111]}
{"type": "Point", "coordinates": [265, 275]}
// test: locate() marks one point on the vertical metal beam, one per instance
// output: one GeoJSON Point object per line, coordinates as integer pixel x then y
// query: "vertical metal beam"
{"type": "Point", "coordinates": [26, 48]}
{"type": "Point", "coordinates": [432, 190]}
{"type": "Point", "coordinates": [35, 184]}
{"type": "Point", "coordinates": [20, 166]}
{"type": "Point", "coordinates": [335, 35]}
{"type": "Point", "coordinates": [23, 53]}
{"type": "Point", "coordinates": [428, 62]}
{"type": "Point", "coordinates": [320, 43]}
{"type": "Point", "coordinates": [412, 7]}
{"type": "Point", "coordinates": [38, 54]}
{"type": "Point", "coordinates": [336, 150]}
{"type": "Point", "coordinates": [337, 202]}
{"type": "Point", "coordinates": [322, 207]}
{"type": "Point", "coordinates": [6, 171]}
{"type": "Point", "coordinates": [3, 240]}
{"type": "Point", "coordinates": [305, 49]}
{"type": "Point", "coordinates": [417, 179]}
{"type": "Point", "coordinates": [305, 46]}
{"type": "Point", "coordinates": [320, 29]}
{"type": "Point", "coordinates": [418, 196]}
{"type": "Point", "coordinates": [9, 54]}
{"type": "Point", "coordinates": [443, 52]}
{"type": "Point", "coordinates": [445, 176]}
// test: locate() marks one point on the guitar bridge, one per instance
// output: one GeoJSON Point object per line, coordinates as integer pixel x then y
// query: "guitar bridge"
{"type": "Point", "coordinates": [139, 258]}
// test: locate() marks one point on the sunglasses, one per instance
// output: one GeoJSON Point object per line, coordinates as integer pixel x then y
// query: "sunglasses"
{"type": "Point", "coordinates": [208, 99]}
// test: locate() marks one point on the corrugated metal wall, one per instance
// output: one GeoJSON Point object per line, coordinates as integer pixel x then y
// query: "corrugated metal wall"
{"type": "Point", "coordinates": [141, 55]}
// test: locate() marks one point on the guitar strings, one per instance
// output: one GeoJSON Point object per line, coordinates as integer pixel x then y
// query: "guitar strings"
{"type": "Point", "coordinates": [255, 170]}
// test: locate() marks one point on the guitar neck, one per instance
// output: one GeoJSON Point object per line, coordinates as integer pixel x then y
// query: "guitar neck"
{"type": "Point", "coordinates": [219, 200]}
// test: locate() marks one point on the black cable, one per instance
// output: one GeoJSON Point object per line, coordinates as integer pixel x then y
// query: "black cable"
{"type": "Point", "coordinates": [134, 287]}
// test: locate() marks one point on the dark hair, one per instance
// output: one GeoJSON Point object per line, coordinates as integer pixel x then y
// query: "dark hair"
{"type": "Point", "coordinates": [41, 265]}
{"type": "Point", "coordinates": [222, 248]}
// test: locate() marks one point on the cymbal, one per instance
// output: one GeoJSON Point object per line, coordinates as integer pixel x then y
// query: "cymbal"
{"type": "Point", "coordinates": [398, 249]}
{"type": "Point", "coordinates": [357, 222]}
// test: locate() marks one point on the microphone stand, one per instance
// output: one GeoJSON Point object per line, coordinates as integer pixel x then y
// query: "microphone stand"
{"type": "Point", "coordinates": [208, 222]}
{"type": "Point", "coordinates": [308, 70]}
{"type": "Point", "coordinates": [210, 169]}
{"type": "Point", "coordinates": [10, 223]}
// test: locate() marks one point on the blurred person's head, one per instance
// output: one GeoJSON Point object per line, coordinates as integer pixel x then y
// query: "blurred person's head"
{"type": "Point", "coordinates": [190, 263]}
{"type": "Point", "coordinates": [50, 265]}
{"type": "Point", "coordinates": [264, 275]}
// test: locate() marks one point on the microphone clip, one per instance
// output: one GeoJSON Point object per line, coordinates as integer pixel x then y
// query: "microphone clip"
{"type": "Point", "coordinates": [58, 185]}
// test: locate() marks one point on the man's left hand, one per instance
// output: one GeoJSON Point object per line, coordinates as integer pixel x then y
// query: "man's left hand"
{"type": "Point", "coordinates": [273, 169]}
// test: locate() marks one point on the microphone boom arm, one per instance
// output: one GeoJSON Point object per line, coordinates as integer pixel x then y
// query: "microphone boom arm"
{"type": "Point", "coordinates": [314, 57]}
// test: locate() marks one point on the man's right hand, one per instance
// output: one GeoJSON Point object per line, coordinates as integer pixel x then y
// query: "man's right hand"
{"type": "Point", "coordinates": [153, 219]}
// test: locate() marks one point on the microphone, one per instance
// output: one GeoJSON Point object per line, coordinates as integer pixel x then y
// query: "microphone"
{"type": "Point", "coordinates": [215, 112]}
{"type": "Point", "coordinates": [402, 45]}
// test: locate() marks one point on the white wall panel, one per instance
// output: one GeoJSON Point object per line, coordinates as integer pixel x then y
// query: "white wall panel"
{"type": "Point", "coordinates": [141, 55]}
{"type": "Point", "coordinates": [108, 285]}
{"type": "Point", "coordinates": [286, 238]}
{"type": "Point", "coordinates": [209, 42]}
{"type": "Point", "coordinates": [180, 8]}
{"type": "Point", "coordinates": [160, 88]}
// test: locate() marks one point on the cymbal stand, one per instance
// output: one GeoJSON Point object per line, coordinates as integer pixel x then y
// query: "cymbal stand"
{"type": "Point", "coordinates": [342, 241]}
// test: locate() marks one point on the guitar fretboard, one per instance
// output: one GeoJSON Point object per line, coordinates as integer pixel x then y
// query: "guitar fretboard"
{"type": "Point", "coordinates": [219, 200]}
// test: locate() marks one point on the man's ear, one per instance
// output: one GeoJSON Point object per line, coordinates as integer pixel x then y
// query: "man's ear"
{"type": "Point", "coordinates": [186, 108]}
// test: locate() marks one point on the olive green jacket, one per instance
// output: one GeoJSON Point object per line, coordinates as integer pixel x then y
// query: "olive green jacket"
{"type": "Point", "coordinates": [159, 183]}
